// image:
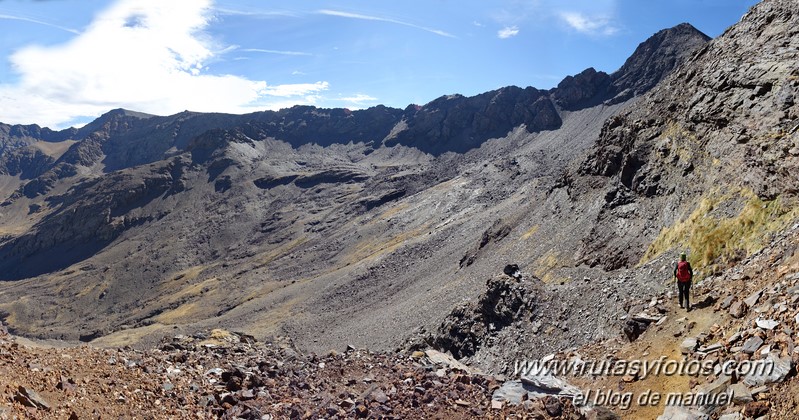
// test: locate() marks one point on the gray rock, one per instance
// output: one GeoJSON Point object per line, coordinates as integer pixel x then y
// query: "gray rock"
{"type": "Point", "coordinates": [511, 392]}
{"type": "Point", "coordinates": [711, 348]}
{"type": "Point", "coordinates": [440, 358]}
{"type": "Point", "coordinates": [31, 398]}
{"type": "Point", "coordinates": [727, 302]}
{"type": "Point", "coordinates": [548, 384]}
{"type": "Point", "coordinates": [731, 416]}
{"type": "Point", "coordinates": [738, 309]}
{"type": "Point", "coordinates": [752, 344]}
{"type": "Point", "coordinates": [753, 298]}
{"type": "Point", "coordinates": [767, 324]}
{"type": "Point", "coordinates": [676, 412]}
{"type": "Point", "coordinates": [775, 370]}
{"type": "Point", "coordinates": [740, 393]}
{"type": "Point", "coordinates": [733, 338]}
{"type": "Point", "coordinates": [647, 318]}
{"type": "Point", "coordinates": [716, 387]}
{"type": "Point", "coordinates": [688, 345]}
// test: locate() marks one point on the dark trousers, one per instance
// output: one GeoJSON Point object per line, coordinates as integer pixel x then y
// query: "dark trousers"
{"type": "Point", "coordinates": [684, 287]}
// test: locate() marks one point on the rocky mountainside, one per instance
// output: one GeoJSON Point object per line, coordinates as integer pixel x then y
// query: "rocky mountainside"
{"type": "Point", "coordinates": [390, 230]}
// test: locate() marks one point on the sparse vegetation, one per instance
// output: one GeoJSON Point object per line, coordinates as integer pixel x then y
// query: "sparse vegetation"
{"type": "Point", "coordinates": [716, 241]}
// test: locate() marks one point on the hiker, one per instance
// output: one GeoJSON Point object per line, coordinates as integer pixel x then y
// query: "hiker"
{"type": "Point", "coordinates": [684, 274]}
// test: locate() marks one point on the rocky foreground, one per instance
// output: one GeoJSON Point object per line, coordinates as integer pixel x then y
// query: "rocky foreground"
{"type": "Point", "coordinates": [746, 313]}
{"type": "Point", "coordinates": [228, 375]}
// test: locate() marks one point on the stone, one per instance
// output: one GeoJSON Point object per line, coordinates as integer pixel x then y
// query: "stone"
{"type": "Point", "coordinates": [716, 387]}
{"type": "Point", "coordinates": [774, 370]}
{"type": "Point", "coordinates": [731, 416]}
{"type": "Point", "coordinates": [379, 396]}
{"type": "Point", "coordinates": [711, 348]}
{"type": "Point", "coordinates": [688, 345]}
{"type": "Point", "coordinates": [497, 404]}
{"type": "Point", "coordinates": [549, 384]}
{"type": "Point", "coordinates": [740, 394]}
{"type": "Point", "coordinates": [738, 310]}
{"type": "Point", "coordinates": [439, 358]}
{"type": "Point", "coordinates": [646, 318]}
{"type": "Point", "coordinates": [752, 344]}
{"type": "Point", "coordinates": [753, 298]}
{"type": "Point", "coordinates": [733, 338]}
{"type": "Point", "coordinates": [512, 392]}
{"type": "Point", "coordinates": [676, 412]}
{"type": "Point", "coordinates": [633, 329]}
{"type": "Point", "coordinates": [214, 371]}
{"type": "Point", "coordinates": [31, 398]}
{"type": "Point", "coordinates": [767, 324]}
{"type": "Point", "coordinates": [417, 354]}
{"type": "Point", "coordinates": [727, 302]}
{"type": "Point", "coordinates": [361, 411]}
{"type": "Point", "coordinates": [553, 406]}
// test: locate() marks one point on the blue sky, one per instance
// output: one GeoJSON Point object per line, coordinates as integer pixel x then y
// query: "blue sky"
{"type": "Point", "coordinates": [64, 62]}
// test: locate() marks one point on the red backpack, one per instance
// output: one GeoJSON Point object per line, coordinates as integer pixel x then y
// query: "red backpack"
{"type": "Point", "coordinates": [683, 271]}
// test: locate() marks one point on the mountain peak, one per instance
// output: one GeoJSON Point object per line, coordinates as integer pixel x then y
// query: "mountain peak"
{"type": "Point", "coordinates": [654, 58]}
{"type": "Point", "coordinates": [121, 112]}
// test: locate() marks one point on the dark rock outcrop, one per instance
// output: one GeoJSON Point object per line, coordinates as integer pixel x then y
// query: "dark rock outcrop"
{"type": "Point", "coordinates": [505, 301]}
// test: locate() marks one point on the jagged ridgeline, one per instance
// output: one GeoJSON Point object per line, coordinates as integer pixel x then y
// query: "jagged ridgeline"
{"type": "Point", "coordinates": [366, 227]}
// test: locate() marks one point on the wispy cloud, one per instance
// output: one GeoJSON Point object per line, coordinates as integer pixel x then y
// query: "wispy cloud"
{"type": "Point", "coordinates": [358, 98]}
{"type": "Point", "coordinates": [508, 32]}
{"type": "Point", "coordinates": [157, 65]}
{"type": "Point", "coordinates": [255, 13]}
{"type": "Point", "coordinates": [298, 89]}
{"type": "Point", "coordinates": [38, 22]}
{"type": "Point", "coordinates": [260, 50]}
{"type": "Point", "coordinates": [382, 19]}
{"type": "Point", "coordinates": [591, 25]}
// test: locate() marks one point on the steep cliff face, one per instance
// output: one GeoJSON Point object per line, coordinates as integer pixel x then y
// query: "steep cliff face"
{"type": "Point", "coordinates": [721, 129]}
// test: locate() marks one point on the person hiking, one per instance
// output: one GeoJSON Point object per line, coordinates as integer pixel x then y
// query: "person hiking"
{"type": "Point", "coordinates": [684, 274]}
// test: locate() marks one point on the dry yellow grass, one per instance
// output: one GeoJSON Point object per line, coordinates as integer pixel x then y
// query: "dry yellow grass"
{"type": "Point", "coordinates": [267, 257]}
{"type": "Point", "coordinates": [181, 314]}
{"type": "Point", "coordinates": [713, 241]}
{"type": "Point", "coordinates": [127, 337]}
{"type": "Point", "coordinates": [530, 232]}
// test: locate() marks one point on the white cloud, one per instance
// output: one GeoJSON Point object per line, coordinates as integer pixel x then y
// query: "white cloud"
{"type": "Point", "coordinates": [144, 55]}
{"type": "Point", "coordinates": [382, 19]}
{"type": "Point", "coordinates": [508, 31]}
{"type": "Point", "coordinates": [592, 25]}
